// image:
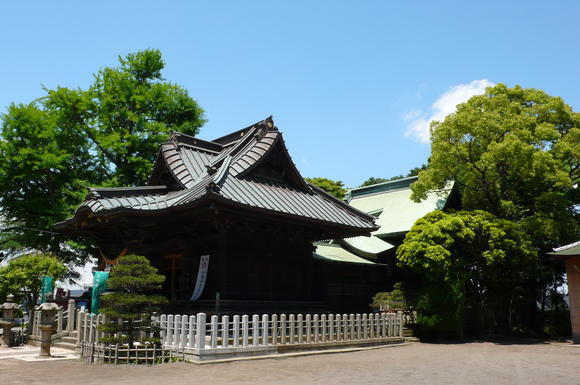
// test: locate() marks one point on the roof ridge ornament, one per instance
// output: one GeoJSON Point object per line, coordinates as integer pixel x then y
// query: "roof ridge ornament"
{"type": "Point", "coordinates": [264, 126]}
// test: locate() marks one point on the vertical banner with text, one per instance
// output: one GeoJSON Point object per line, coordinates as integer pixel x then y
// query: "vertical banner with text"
{"type": "Point", "coordinates": [47, 286]}
{"type": "Point", "coordinates": [99, 286]}
{"type": "Point", "coordinates": [201, 277]}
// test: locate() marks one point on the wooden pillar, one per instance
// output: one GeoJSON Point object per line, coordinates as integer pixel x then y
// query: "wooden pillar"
{"type": "Point", "coordinates": [172, 260]}
{"type": "Point", "coordinates": [222, 261]}
{"type": "Point", "coordinates": [573, 273]}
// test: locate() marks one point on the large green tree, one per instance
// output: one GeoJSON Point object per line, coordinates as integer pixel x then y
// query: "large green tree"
{"type": "Point", "coordinates": [107, 135]}
{"type": "Point", "coordinates": [469, 260]}
{"type": "Point", "coordinates": [515, 153]}
{"type": "Point", "coordinates": [22, 276]}
{"type": "Point", "coordinates": [333, 187]}
{"type": "Point", "coordinates": [126, 113]}
{"type": "Point", "coordinates": [413, 172]}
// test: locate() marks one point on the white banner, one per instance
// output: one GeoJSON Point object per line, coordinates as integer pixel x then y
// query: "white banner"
{"type": "Point", "coordinates": [201, 276]}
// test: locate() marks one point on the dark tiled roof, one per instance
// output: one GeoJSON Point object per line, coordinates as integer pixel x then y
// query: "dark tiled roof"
{"type": "Point", "coordinates": [223, 169]}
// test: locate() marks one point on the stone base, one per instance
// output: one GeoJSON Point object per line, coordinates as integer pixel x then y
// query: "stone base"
{"type": "Point", "coordinates": [231, 353]}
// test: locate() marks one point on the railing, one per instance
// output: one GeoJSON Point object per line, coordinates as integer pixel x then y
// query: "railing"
{"type": "Point", "coordinates": [272, 330]}
{"type": "Point", "coordinates": [148, 354]}
{"type": "Point", "coordinates": [65, 320]}
{"type": "Point", "coordinates": [199, 334]}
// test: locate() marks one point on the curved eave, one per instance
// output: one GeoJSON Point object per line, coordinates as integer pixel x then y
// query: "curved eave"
{"type": "Point", "coordinates": [84, 212]}
{"type": "Point", "coordinates": [323, 194]}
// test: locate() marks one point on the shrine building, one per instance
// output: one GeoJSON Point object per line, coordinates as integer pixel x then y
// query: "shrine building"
{"type": "Point", "coordinates": [239, 206]}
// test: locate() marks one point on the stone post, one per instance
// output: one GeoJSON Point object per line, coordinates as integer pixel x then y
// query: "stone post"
{"type": "Point", "coordinates": [71, 310]}
{"type": "Point", "coordinates": [7, 322]}
{"type": "Point", "coordinates": [48, 312]}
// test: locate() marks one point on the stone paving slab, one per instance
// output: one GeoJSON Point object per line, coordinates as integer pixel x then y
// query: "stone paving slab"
{"type": "Point", "coordinates": [30, 354]}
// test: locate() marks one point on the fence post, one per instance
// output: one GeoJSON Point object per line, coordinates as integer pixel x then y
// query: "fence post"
{"type": "Point", "coordinates": [255, 329]}
{"type": "Point", "coordinates": [191, 340]}
{"type": "Point", "coordinates": [59, 321]}
{"type": "Point", "coordinates": [383, 325]}
{"type": "Point", "coordinates": [338, 324]}
{"type": "Point", "coordinates": [91, 329]}
{"type": "Point", "coordinates": [274, 329]}
{"type": "Point", "coordinates": [236, 322]}
{"type": "Point", "coordinates": [323, 324]}
{"type": "Point", "coordinates": [265, 324]}
{"type": "Point", "coordinates": [400, 316]}
{"type": "Point", "coordinates": [169, 328]}
{"type": "Point", "coordinates": [331, 327]}
{"type": "Point", "coordinates": [98, 321]}
{"type": "Point", "coordinates": [308, 328]}
{"type": "Point", "coordinates": [214, 331]}
{"type": "Point", "coordinates": [184, 323]}
{"type": "Point", "coordinates": [225, 331]}
{"type": "Point", "coordinates": [283, 329]}
{"type": "Point", "coordinates": [87, 327]}
{"type": "Point", "coordinates": [163, 329]}
{"type": "Point", "coordinates": [316, 322]}
{"type": "Point", "coordinates": [79, 327]}
{"type": "Point", "coordinates": [176, 330]}
{"type": "Point", "coordinates": [245, 331]}
{"type": "Point", "coordinates": [292, 328]}
{"type": "Point", "coordinates": [200, 331]}
{"type": "Point", "coordinates": [71, 316]}
{"type": "Point", "coordinates": [351, 326]}
{"type": "Point", "coordinates": [364, 326]}
{"type": "Point", "coordinates": [345, 325]}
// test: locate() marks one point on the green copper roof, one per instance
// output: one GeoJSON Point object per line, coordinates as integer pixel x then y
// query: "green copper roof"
{"type": "Point", "coordinates": [369, 247]}
{"type": "Point", "coordinates": [568, 250]}
{"type": "Point", "coordinates": [391, 201]}
{"type": "Point", "coordinates": [335, 253]}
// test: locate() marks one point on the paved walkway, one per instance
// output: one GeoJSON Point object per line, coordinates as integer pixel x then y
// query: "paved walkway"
{"type": "Point", "coordinates": [30, 354]}
{"type": "Point", "coordinates": [478, 363]}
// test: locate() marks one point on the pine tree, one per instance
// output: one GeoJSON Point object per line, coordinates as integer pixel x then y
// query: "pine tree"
{"type": "Point", "coordinates": [132, 281]}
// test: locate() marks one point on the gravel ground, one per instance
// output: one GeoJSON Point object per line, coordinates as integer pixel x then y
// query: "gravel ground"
{"type": "Point", "coordinates": [415, 363]}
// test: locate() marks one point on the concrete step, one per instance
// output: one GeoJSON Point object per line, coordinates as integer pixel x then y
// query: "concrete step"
{"type": "Point", "coordinates": [65, 345]}
{"type": "Point", "coordinates": [69, 339]}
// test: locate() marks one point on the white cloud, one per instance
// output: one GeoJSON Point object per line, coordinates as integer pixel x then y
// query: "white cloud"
{"type": "Point", "coordinates": [419, 121]}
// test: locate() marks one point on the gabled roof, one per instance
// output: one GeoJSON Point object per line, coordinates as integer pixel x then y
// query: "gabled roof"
{"type": "Point", "coordinates": [392, 204]}
{"type": "Point", "coordinates": [235, 169]}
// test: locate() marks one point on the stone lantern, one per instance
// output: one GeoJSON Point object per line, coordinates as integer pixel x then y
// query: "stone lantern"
{"type": "Point", "coordinates": [47, 325]}
{"type": "Point", "coordinates": [8, 309]}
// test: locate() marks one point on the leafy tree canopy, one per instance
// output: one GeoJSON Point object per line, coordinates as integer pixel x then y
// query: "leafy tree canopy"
{"type": "Point", "coordinates": [474, 261]}
{"type": "Point", "coordinates": [132, 281]}
{"type": "Point", "coordinates": [106, 135]}
{"type": "Point", "coordinates": [515, 153]}
{"type": "Point", "coordinates": [333, 187]}
{"type": "Point", "coordinates": [22, 276]}
{"type": "Point", "coordinates": [372, 180]}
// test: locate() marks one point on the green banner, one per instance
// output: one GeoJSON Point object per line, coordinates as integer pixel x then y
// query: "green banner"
{"type": "Point", "coordinates": [47, 286]}
{"type": "Point", "coordinates": [99, 286]}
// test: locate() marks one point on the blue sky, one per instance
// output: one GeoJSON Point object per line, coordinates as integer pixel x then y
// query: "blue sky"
{"type": "Point", "coordinates": [352, 84]}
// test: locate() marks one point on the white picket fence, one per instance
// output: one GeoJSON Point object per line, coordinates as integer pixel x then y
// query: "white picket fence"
{"type": "Point", "coordinates": [199, 334]}
{"type": "Point", "coordinates": [267, 330]}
